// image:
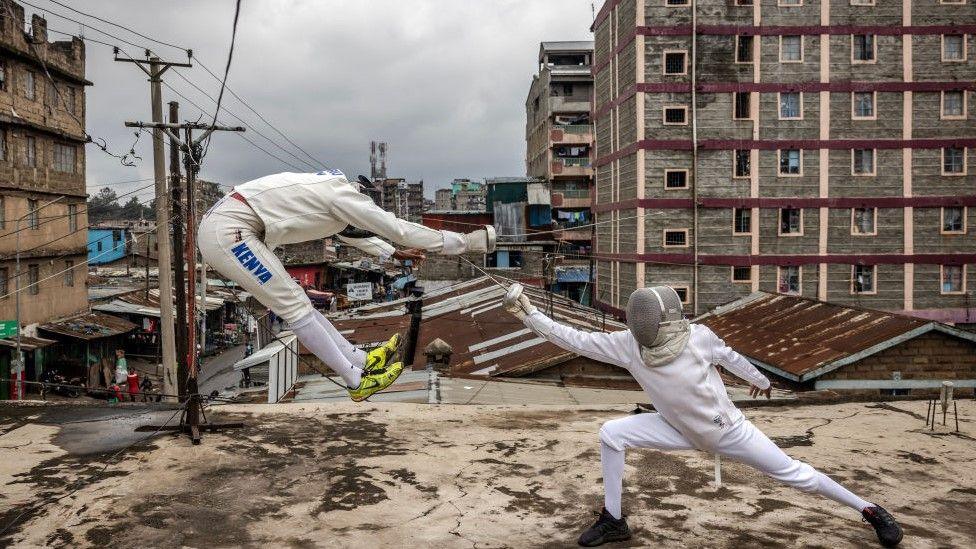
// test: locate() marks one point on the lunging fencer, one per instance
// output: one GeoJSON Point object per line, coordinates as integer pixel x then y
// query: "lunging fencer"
{"type": "Point", "coordinates": [240, 231]}
{"type": "Point", "coordinates": [673, 362]}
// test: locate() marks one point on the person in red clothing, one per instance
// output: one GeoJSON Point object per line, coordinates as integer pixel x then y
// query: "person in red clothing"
{"type": "Point", "coordinates": [132, 380]}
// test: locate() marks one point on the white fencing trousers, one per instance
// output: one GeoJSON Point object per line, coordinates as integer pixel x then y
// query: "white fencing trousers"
{"type": "Point", "coordinates": [743, 442]}
{"type": "Point", "coordinates": [230, 240]}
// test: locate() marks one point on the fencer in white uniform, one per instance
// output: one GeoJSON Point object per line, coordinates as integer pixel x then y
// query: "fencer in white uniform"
{"type": "Point", "coordinates": [674, 362]}
{"type": "Point", "coordinates": [238, 234]}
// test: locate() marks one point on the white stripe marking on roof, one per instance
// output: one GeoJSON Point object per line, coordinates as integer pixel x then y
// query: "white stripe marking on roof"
{"type": "Point", "coordinates": [499, 339]}
{"type": "Point", "coordinates": [508, 350]}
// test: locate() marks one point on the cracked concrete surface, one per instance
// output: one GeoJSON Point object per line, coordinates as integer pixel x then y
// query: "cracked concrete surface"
{"type": "Point", "coordinates": [394, 475]}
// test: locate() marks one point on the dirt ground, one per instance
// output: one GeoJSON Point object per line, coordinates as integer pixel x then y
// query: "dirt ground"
{"type": "Point", "coordinates": [412, 475]}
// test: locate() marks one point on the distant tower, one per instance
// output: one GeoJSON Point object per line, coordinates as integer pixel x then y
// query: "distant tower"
{"type": "Point", "coordinates": [377, 155]}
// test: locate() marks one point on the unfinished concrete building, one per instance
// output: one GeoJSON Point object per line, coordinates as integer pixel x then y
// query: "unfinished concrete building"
{"type": "Point", "coordinates": [796, 146]}
{"type": "Point", "coordinates": [405, 200]}
{"type": "Point", "coordinates": [559, 137]}
{"type": "Point", "coordinates": [42, 172]}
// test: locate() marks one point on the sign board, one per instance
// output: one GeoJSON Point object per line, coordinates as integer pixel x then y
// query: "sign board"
{"type": "Point", "coordinates": [360, 291]}
{"type": "Point", "coordinates": [8, 328]}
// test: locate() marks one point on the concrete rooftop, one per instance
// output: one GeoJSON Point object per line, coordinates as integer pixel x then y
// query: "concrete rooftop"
{"type": "Point", "coordinates": [416, 475]}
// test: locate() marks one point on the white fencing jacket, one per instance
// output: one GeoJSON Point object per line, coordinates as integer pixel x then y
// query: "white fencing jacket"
{"type": "Point", "coordinates": [687, 392]}
{"type": "Point", "coordinates": [298, 207]}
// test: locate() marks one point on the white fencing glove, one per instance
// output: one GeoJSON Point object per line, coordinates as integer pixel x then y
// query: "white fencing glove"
{"type": "Point", "coordinates": [517, 303]}
{"type": "Point", "coordinates": [481, 241]}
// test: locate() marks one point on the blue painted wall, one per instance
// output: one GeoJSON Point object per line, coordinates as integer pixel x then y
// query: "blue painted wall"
{"type": "Point", "coordinates": [106, 245]}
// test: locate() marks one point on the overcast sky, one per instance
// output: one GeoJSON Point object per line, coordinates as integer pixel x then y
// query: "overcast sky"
{"type": "Point", "coordinates": [442, 81]}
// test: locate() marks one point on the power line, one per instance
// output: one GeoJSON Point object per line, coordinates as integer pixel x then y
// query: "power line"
{"type": "Point", "coordinates": [223, 83]}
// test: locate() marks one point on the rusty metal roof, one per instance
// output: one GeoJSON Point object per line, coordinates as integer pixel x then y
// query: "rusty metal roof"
{"type": "Point", "coordinates": [801, 338]}
{"type": "Point", "coordinates": [88, 326]}
{"type": "Point", "coordinates": [469, 317]}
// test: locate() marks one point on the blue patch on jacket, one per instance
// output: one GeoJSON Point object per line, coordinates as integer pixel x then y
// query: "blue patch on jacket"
{"type": "Point", "coordinates": [250, 262]}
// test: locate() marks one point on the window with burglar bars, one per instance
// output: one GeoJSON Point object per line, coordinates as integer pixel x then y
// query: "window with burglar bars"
{"type": "Point", "coordinates": [790, 221]}
{"type": "Point", "coordinates": [742, 221]}
{"type": "Point", "coordinates": [789, 162]}
{"type": "Point", "coordinates": [72, 217]}
{"type": "Point", "coordinates": [675, 115]}
{"type": "Point", "coordinates": [4, 282]}
{"type": "Point", "coordinates": [862, 48]}
{"type": "Point", "coordinates": [954, 104]}
{"type": "Point", "coordinates": [674, 62]}
{"type": "Point", "coordinates": [953, 47]}
{"type": "Point", "coordinates": [862, 281]}
{"type": "Point", "coordinates": [741, 274]}
{"type": "Point", "coordinates": [675, 238]}
{"type": "Point", "coordinates": [676, 179]}
{"type": "Point", "coordinates": [954, 161]}
{"type": "Point", "coordinates": [863, 221]}
{"type": "Point", "coordinates": [863, 161]}
{"type": "Point", "coordinates": [864, 105]}
{"type": "Point", "coordinates": [33, 279]}
{"type": "Point", "coordinates": [954, 220]}
{"type": "Point", "coordinates": [30, 86]}
{"type": "Point", "coordinates": [64, 158]}
{"type": "Point", "coordinates": [791, 49]}
{"type": "Point", "coordinates": [790, 107]}
{"type": "Point", "coordinates": [30, 152]}
{"type": "Point", "coordinates": [789, 280]}
{"type": "Point", "coordinates": [953, 279]}
{"type": "Point", "coordinates": [743, 163]}
{"type": "Point", "coordinates": [32, 221]}
{"type": "Point", "coordinates": [69, 273]}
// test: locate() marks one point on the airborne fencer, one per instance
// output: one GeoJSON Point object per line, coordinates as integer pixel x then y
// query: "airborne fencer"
{"type": "Point", "coordinates": [237, 236]}
{"type": "Point", "coordinates": [673, 362]}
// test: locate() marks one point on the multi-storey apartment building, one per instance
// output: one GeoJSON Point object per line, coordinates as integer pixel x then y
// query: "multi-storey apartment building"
{"type": "Point", "coordinates": [405, 200]}
{"type": "Point", "coordinates": [559, 136]}
{"type": "Point", "coordinates": [42, 170]}
{"type": "Point", "coordinates": [818, 148]}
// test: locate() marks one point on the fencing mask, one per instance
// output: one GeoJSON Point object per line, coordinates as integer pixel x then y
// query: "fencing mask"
{"type": "Point", "coordinates": [655, 319]}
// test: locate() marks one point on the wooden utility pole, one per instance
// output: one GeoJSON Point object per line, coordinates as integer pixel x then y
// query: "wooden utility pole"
{"type": "Point", "coordinates": [179, 286]}
{"type": "Point", "coordinates": [154, 67]}
{"type": "Point", "coordinates": [192, 156]}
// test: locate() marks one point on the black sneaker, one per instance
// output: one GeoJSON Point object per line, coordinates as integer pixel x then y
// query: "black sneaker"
{"type": "Point", "coordinates": [888, 530]}
{"type": "Point", "coordinates": [605, 530]}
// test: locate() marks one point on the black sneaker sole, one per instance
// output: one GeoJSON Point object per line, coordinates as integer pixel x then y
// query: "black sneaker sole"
{"type": "Point", "coordinates": [609, 539]}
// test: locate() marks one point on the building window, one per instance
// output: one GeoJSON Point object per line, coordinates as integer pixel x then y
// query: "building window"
{"type": "Point", "coordinates": [683, 294]}
{"type": "Point", "coordinates": [675, 238]}
{"type": "Point", "coordinates": [743, 2]}
{"type": "Point", "coordinates": [4, 282]}
{"type": "Point", "coordinates": [953, 48]}
{"type": "Point", "coordinates": [862, 162]}
{"type": "Point", "coordinates": [50, 95]}
{"type": "Point", "coordinates": [791, 49]}
{"type": "Point", "coordinates": [675, 179]}
{"type": "Point", "coordinates": [741, 221]}
{"type": "Point", "coordinates": [675, 63]}
{"type": "Point", "coordinates": [72, 217]}
{"type": "Point", "coordinates": [98, 245]}
{"type": "Point", "coordinates": [32, 221]}
{"type": "Point", "coordinates": [790, 222]}
{"type": "Point", "coordinates": [954, 105]}
{"type": "Point", "coordinates": [862, 105]}
{"type": "Point", "coordinates": [64, 158]}
{"type": "Point", "coordinates": [864, 221]}
{"type": "Point", "coordinates": [953, 279]}
{"type": "Point", "coordinates": [30, 152]}
{"type": "Point", "coordinates": [3, 144]}
{"type": "Point", "coordinates": [69, 99]}
{"type": "Point", "coordinates": [863, 279]}
{"type": "Point", "coordinates": [3, 75]}
{"type": "Point", "coordinates": [743, 49]}
{"type": "Point", "coordinates": [862, 2]}
{"type": "Point", "coordinates": [788, 279]}
{"type": "Point", "coordinates": [790, 162]}
{"type": "Point", "coordinates": [33, 279]}
{"type": "Point", "coordinates": [741, 274]}
{"type": "Point", "coordinates": [677, 2]}
{"type": "Point", "coordinates": [742, 107]}
{"type": "Point", "coordinates": [743, 163]}
{"type": "Point", "coordinates": [675, 116]}
{"type": "Point", "coordinates": [789, 3]}
{"type": "Point", "coordinates": [791, 106]}
{"type": "Point", "coordinates": [954, 161]}
{"type": "Point", "coordinates": [69, 273]}
{"type": "Point", "coordinates": [3, 213]}
{"type": "Point", "coordinates": [954, 220]}
{"type": "Point", "coordinates": [863, 48]}
{"type": "Point", "coordinates": [30, 86]}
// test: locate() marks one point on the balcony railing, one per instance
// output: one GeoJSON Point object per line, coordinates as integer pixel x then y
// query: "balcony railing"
{"type": "Point", "coordinates": [573, 193]}
{"type": "Point", "coordinates": [574, 162]}
{"type": "Point", "coordinates": [575, 128]}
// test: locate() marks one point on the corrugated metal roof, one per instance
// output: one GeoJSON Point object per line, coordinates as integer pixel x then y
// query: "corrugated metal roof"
{"type": "Point", "coordinates": [805, 338]}
{"type": "Point", "coordinates": [88, 326]}
{"type": "Point", "coordinates": [27, 342]}
{"type": "Point", "coordinates": [469, 317]}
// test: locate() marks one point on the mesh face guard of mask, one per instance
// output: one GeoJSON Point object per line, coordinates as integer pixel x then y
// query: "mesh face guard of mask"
{"type": "Point", "coordinates": [650, 308]}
